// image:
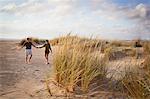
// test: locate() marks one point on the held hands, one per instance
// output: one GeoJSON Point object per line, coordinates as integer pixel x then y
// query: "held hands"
{"type": "Point", "coordinates": [37, 47]}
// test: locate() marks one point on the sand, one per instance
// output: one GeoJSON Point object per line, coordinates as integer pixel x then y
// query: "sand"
{"type": "Point", "coordinates": [19, 80]}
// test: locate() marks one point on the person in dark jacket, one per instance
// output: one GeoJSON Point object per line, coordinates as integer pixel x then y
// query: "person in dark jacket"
{"type": "Point", "coordinates": [47, 50]}
{"type": "Point", "coordinates": [28, 44]}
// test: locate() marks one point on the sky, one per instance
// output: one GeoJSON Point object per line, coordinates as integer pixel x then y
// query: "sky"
{"type": "Point", "coordinates": [48, 19]}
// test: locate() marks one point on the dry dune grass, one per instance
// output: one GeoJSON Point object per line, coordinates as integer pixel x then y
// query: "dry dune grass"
{"type": "Point", "coordinates": [78, 65]}
{"type": "Point", "coordinates": [137, 86]}
{"type": "Point", "coordinates": [121, 43]}
{"type": "Point", "coordinates": [75, 39]}
{"type": "Point", "coordinates": [146, 63]}
{"type": "Point", "coordinates": [147, 48]}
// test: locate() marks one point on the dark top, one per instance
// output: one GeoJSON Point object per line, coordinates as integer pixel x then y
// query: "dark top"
{"type": "Point", "coordinates": [28, 45]}
{"type": "Point", "coordinates": [47, 47]}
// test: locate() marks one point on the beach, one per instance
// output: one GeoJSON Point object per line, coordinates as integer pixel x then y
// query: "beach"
{"type": "Point", "coordinates": [18, 79]}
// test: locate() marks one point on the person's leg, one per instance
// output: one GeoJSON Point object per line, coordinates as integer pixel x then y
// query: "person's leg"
{"type": "Point", "coordinates": [27, 54]}
{"type": "Point", "coordinates": [30, 58]}
{"type": "Point", "coordinates": [46, 57]}
{"type": "Point", "coordinates": [30, 52]}
{"type": "Point", "coordinates": [26, 59]}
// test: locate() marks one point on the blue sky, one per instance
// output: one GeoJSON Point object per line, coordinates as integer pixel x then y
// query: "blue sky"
{"type": "Point", "coordinates": [106, 19]}
{"type": "Point", "coordinates": [133, 2]}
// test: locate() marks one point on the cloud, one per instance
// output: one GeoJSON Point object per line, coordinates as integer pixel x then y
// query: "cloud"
{"type": "Point", "coordinates": [93, 16]}
{"type": "Point", "coordinates": [138, 17]}
{"type": "Point", "coordinates": [141, 11]}
{"type": "Point", "coordinates": [141, 15]}
{"type": "Point", "coordinates": [10, 8]}
{"type": "Point", "coordinates": [24, 8]}
{"type": "Point", "coordinates": [61, 7]}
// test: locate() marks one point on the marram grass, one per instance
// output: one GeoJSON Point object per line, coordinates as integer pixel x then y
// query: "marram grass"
{"type": "Point", "coordinates": [75, 64]}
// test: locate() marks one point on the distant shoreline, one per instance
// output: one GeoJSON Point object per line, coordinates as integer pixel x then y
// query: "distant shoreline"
{"type": "Point", "coordinates": [126, 40]}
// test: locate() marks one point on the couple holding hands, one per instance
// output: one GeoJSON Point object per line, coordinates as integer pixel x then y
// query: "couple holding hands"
{"type": "Point", "coordinates": [28, 44]}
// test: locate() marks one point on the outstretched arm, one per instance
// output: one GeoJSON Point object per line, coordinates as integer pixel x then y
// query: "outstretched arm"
{"type": "Point", "coordinates": [22, 45]}
{"type": "Point", "coordinates": [34, 45]}
{"type": "Point", "coordinates": [42, 46]}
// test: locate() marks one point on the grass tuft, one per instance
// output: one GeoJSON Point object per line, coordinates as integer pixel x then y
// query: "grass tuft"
{"type": "Point", "coordinates": [75, 64]}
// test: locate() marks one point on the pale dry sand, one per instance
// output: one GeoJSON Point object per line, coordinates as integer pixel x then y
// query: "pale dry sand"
{"type": "Point", "coordinates": [17, 79]}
